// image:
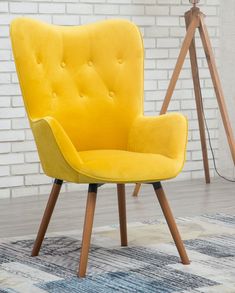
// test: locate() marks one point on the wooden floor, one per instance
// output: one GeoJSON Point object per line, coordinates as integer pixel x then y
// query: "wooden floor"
{"type": "Point", "coordinates": [21, 216]}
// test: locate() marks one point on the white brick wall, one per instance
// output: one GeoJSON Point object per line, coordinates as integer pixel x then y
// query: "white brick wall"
{"type": "Point", "coordinates": [162, 24]}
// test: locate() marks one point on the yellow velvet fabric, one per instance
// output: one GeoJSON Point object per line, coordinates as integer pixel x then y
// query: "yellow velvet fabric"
{"type": "Point", "coordinates": [83, 92]}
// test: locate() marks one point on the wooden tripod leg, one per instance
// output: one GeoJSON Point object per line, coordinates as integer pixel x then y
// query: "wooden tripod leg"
{"type": "Point", "coordinates": [184, 50]}
{"type": "Point", "coordinates": [122, 213]}
{"type": "Point", "coordinates": [198, 98]}
{"type": "Point", "coordinates": [171, 222]}
{"type": "Point", "coordinates": [136, 190]}
{"type": "Point", "coordinates": [217, 85]}
{"type": "Point", "coordinates": [47, 216]}
{"type": "Point", "coordinates": [87, 229]}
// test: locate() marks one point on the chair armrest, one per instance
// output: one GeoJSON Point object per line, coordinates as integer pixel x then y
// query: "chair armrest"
{"type": "Point", "coordinates": [165, 135]}
{"type": "Point", "coordinates": [57, 153]}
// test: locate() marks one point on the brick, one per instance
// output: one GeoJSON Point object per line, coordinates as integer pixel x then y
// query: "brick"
{"type": "Point", "coordinates": [157, 10]}
{"type": "Point", "coordinates": [79, 8]}
{"type": "Point", "coordinates": [149, 106]}
{"type": "Point", "coordinates": [174, 106]}
{"type": "Point", "coordinates": [178, 10]}
{"type": "Point", "coordinates": [11, 112]}
{"type": "Point", "coordinates": [169, 1]}
{"type": "Point", "coordinates": [155, 96]}
{"type": "Point", "coordinates": [90, 18]}
{"type": "Point", "coordinates": [3, 6]}
{"type": "Point", "coordinates": [20, 123]}
{"type": "Point", "coordinates": [5, 193]}
{"type": "Point", "coordinates": [5, 77]}
{"type": "Point", "coordinates": [150, 85]}
{"type": "Point", "coordinates": [24, 146]}
{"type": "Point", "coordinates": [23, 7]}
{"type": "Point", "coordinates": [156, 53]}
{"type": "Point", "coordinates": [144, 20]}
{"type": "Point", "coordinates": [29, 134]}
{"type": "Point", "coordinates": [11, 181]}
{"type": "Point", "coordinates": [149, 43]}
{"type": "Point", "coordinates": [10, 89]}
{"type": "Point", "coordinates": [166, 64]}
{"type": "Point", "coordinates": [55, 8]}
{"type": "Point", "coordinates": [94, 1]}
{"type": "Point", "coordinates": [168, 21]}
{"type": "Point", "coordinates": [10, 159]}
{"type": "Point", "coordinates": [37, 179]}
{"type": "Point", "coordinates": [10, 135]}
{"type": "Point", "coordinates": [5, 124]}
{"type": "Point", "coordinates": [5, 55]}
{"type": "Point", "coordinates": [149, 64]}
{"type": "Point", "coordinates": [32, 157]}
{"type": "Point", "coordinates": [157, 31]}
{"type": "Point", "coordinates": [5, 147]}
{"type": "Point", "coordinates": [132, 9]}
{"type": "Point", "coordinates": [8, 66]}
{"type": "Point", "coordinates": [24, 191]}
{"type": "Point", "coordinates": [4, 32]}
{"type": "Point", "coordinates": [65, 19]}
{"type": "Point", "coordinates": [106, 9]}
{"type": "Point", "coordinates": [4, 170]}
{"type": "Point", "coordinates": [5, 43]}
{"type": "Point", "coordinates": [167, 43]}
{"type": "Point", "coordinates": [14, 78]}
{"type": "Point", "coordinates": [17, 102]}
{"type": "Point", "coordinates": [155, 74]}
{"type": "Point", "coordinates": [24, 169]}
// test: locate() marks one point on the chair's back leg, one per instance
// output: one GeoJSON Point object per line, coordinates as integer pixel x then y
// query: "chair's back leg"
{"type": "Point", "coordinates": [87, 229]}
{"type": "Point", "coordinates": [47, 216]}
{"type": "Point", "coordinates": [137, 189]}
{"type": "Point", "coordinates": [171, 222]}
{"type": "Point", "coordinates": [122, 213]}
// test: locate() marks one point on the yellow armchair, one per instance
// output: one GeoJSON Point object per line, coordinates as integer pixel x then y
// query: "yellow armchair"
{"type": "Point", "coordinates": [83, 92]}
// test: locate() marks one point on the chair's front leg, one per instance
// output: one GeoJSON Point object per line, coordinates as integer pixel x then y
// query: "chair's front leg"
{"type": "Point", "coordinates": [87, 229]}
{"type": "Point", "coordinates": [122, 213]}
{"type": "Point", "coordinates": [47, 216]}
{"type": "Point", "coordinates": [171, 222]}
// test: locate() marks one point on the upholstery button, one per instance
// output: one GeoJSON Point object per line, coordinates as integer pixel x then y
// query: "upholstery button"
{"type": "Point", "coordinates": [120, 61]}
{"type": "Point", "coordinates": [111, 94]}
{"type": "Point", "coordinates": [54, 95]}
{"type": "Point", "coordinates": [90, 63]}
{"type": "Point", "coordinates": [63, 64]}
{"type": "Point", "coordinates": [81, 95]}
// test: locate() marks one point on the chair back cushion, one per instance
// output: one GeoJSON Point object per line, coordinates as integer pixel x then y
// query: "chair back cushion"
{"type": "Point", "coordinates": [89, 78]}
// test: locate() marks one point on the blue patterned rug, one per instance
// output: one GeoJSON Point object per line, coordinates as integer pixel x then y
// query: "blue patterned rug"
{"type": "Point", "coordinates": [149, 264]}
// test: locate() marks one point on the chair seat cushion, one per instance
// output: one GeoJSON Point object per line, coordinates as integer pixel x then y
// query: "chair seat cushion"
{"type": "Point", "coordinates": [123, 166]}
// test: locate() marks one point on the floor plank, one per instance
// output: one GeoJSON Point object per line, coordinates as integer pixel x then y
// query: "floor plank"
{"type": "Point", "coordinates": [21, 216]}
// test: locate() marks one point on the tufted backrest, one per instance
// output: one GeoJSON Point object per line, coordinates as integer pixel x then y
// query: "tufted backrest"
{"type": "Point", "coordinates": [90, 78]}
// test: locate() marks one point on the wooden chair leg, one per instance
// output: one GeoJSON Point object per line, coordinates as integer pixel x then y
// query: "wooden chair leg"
{"type": "Point", "coordinates": [87, 229]}
{"type": "Point", "coordinates": [171, 222]}
{"type": "Point", "coordinates": [122, 213]}
{"type": "Point", "coordinates": [137, 189]}
{"type": "Point", "coordinates": [47, 216]}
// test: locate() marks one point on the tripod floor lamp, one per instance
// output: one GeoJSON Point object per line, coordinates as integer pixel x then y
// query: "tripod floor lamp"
{"type": "Point", "coordinates": [194, 19]}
